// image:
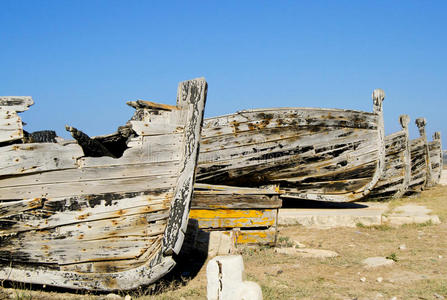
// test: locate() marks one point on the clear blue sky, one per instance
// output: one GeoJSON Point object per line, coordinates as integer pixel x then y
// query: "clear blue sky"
{"type": "Point", "coordinates": [81, 60]}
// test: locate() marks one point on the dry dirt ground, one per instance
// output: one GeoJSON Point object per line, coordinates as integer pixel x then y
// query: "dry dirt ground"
{"type": "Point", "coordinates": [420, 270]}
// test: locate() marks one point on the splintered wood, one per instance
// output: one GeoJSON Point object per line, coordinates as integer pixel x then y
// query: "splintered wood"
{"type": "Point", "coordinates": [75, 215]}
{"type": "Point", "coordinates": [11, 128]}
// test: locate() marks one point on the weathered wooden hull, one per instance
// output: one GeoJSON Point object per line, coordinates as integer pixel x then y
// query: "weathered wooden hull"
{"type": "Point", "coordinates": [316, 154]}
{"type": "Point", "coordinates": [396, 177]}
{"type": "Point", "coordinates": [418, 179]}
{"type": "Point", "coordinates": [436, 157]}
{"type": "Point", "coordinates": [102, 223]}
{"type": "Point", "coordinates": [421, 171]}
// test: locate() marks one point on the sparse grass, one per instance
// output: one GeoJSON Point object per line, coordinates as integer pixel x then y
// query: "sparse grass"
{"type": "Point", "coordinates": [382, 227]}
{"type": "Point", "coordinates": [284, 241]}
{"type": "Point", "coordinates": [393, 257]}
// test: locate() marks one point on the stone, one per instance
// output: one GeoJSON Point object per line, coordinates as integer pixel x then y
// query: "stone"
{"type": "Point", "coordinates": [307, 252]}
{"type": "Point", "coordinates": [298, 244]}
{"type": "Point", "coordinates": [224, 280]}
{"type": "Point", "coordinates": [250, 290]}
{"type": "Point", "coordinates": [402, 247]}
{"type": "Point", "coordinates": [128, 297]}
{"type": "Point", "coordinates": [379, 279]}
{"type": "Point", "coordinates": [374, 262]}
{"type": "Point", "coordinates": [319, 218]}
{"type": "Point", "coordinates": [437, 296]}
{"type": "Point", "coordinates": [363, 279]}
{"type": "Point", "coordinates": [112, 296]}
{"type": "Point", "coordinates": [410, 214]}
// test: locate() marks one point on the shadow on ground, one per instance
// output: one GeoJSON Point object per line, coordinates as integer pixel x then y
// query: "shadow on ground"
{"type": "Point", "coordinates": [295, 203]}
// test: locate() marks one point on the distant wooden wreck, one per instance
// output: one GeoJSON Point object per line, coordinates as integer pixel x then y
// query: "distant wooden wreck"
{"type": "Point", "coordinates": [103, 213]}
{"type": "Point", "coordinates": [396, 177]}
{"type": "Point", "coordinates": [312, 153]}
{"type": "Point", "coordinates": [436, 157]}
{"type": "Point", "coordinates": [420, 160]}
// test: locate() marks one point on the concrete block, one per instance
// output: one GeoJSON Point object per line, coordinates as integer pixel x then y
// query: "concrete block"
{"type": "Point", "coordinates": [250, 291]}
{"type": "Point", "coordinates": [225, 280]}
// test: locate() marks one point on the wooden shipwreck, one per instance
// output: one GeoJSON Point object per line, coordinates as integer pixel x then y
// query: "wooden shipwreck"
{"type": "Point", "coordinates": [420, 160]}
{"type": "Point", "coordinates": [436, 157]}
{"type": "Point", "coordinates": [104, 213]}
{"type": "Point", "coordinates": [312, 153]}
{"type": "Point", "coordinates": [396, 177]}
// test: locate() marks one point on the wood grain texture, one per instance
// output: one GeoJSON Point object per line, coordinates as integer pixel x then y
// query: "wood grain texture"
{"type": "Point", "coordinates": [418, 166]}
{"type": "Point", "coordinates": [436, 159]}
{"type": "Point", "coordinates": [421, 123]}
{"type": "Point", "coordinates": [251, 213]}
{"type": "Point", "coordinates": [101, 223]}
{"type": "Point", "coordinates": [396, 177]}
{"type": "Point", "coordinates": [301, 149]}
{"type": "Point", "coordinates": [11, 128]}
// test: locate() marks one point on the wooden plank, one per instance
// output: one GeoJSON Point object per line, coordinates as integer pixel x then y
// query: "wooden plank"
{"type": "Point", "coordinates": [64, 189]}
{"type": "Point", "coordinates": [77, 252]}
{"type": "Point", "coordinates": [121, 238]}
{"type": "Point", "coordinates": [286, 163]}
{"type": "Point", "coordinates": [279, 117]}
{"type": "Point", "coordinates": [216, 201]}
{"type": "Point", "coordinates": [10, 126]}
{"type": "Point", "coordinates": [118, 265]}
{"type": "Point", "coordinates": [76, 175]}
{"type": "Point", "coordinates": [203, 188]}
{"type": "Point", "coordinates": [142, 104]}
{"type": "Point", "coordinates": [13, 208]}
{"type": "Point", "coordinates": [257, 237]}
{"type": "Point", "coordinates": [74, 210]}
{"type": "Point", "coordinates": [145, 128]}
{"type": "Point", "coordinates": [234, 218]}
{"type": "Point", "coordinates": [38, 157]}
{"type": "Point", "coordinates": [124, 280]}
{"type": "Point", "coordinates": [16, 103]}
